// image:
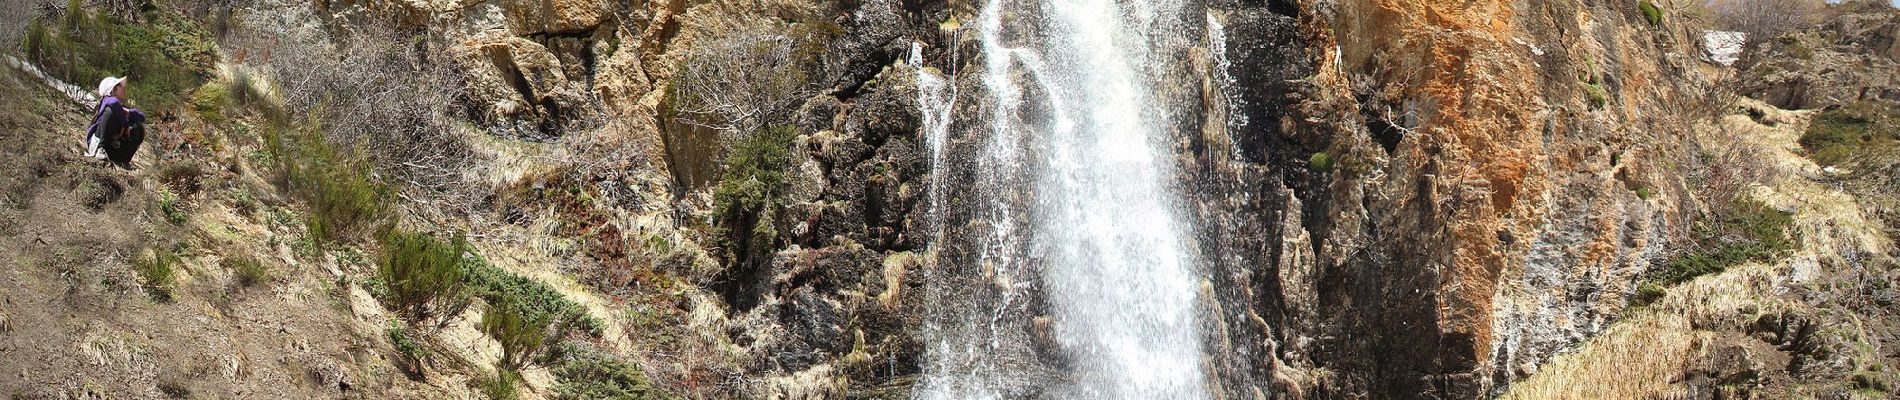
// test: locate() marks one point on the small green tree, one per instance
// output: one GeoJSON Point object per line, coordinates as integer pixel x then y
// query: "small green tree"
{"type": "Point", "coordinates": [522, 334]}
{"type": "Point", "coordinates": [424, 275]}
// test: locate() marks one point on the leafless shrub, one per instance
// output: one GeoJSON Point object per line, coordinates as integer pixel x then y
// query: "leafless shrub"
{"type": "Point", "coordinates": [735, 82]}
{"type": "Point", "coordinates": [1764, 19]}
{"type": "Point", "coordinates": [375, 91]}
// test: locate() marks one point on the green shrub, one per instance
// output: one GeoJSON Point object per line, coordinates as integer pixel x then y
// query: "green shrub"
{"type": "Point", "coordinates": [424, 276]}
{"type": "Point", "coordinates": [585, 373]}
{"type": "Point", "coordinates": [1320, 162]}
{"type": "Point", "coordinates": [168, 203]}
{"type": "Point", "coordinates": [157, 273]}
{"type": "Point", "coordinates": [1649, 292]}
{"type": "Point", "coordinates": [1651, 12]}
{"type": "Point", "coordinates": [400, 340]}
{"type": "Point", "coordinates": [248, 270]}
{"type": "Point", "coordinates": [746, 200]}
{"type": "Point", "coordinates": [1642, 192]}
{"type": "Point", "coordinates": [345, 202]}
{"type": "Point", "coordinates": [208, 103]}
{"type": "Point", "coordinates": [528, 297]}
{"type": "Point", "coordinates": [33, 42]}
{"type": "Point", "coordinates": [1832, 136]}
{"type": "Point", "coordinates": [522, 334]}
{"type": "Point", "coordinates": [1753, 232]}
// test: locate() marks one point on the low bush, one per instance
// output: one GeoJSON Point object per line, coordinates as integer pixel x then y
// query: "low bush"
{"type": "Point", "coordinates": [532, 299]}
{"type": "Point", "coordinates": [157, 274]}
{"type": "Point", "coordinates": [1832, 136]}
{"type": "Point", "coordinates": [523, 335]}
{"type": "Point", "coordinates": [423, 276]}
{"type": "Point", "coordinates": [498, 387]}
{"type": "Point", "coordinates": [400, 340]}
{"type": "Point", "coordinates": [1752, 232]}
{"type": "Point", "coordinates": [586, 373]}
{"type": "Point", "coordinates": [168, 203]}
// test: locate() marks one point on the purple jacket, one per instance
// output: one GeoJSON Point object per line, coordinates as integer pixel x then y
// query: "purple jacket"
{"type": "Point", "coordinates": [112, 117]}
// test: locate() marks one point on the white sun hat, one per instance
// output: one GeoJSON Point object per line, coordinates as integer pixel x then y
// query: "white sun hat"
{"type": "Point", "coordinates": [106, 85]}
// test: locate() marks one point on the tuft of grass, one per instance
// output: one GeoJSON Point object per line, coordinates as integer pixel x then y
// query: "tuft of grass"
{"type": "Point", "coordinates": [248, 270]}
{"type": "Point", "coordinates": [1598, 96]}
{"type": "Point", "coordinates": [182, 176]}
{"type": "Point", "coordinates": [208, 103]}
{"type": "Point", "coordinates": [1320, 162]}
{"type": "Point", "coordinates": [1642, 192]}
{"type": "Point", "coordinates": [424, 277]}
{"type": "Point", "coordinates": [1833, 136]}
{"type": "Point", "coordinates": [1651, 12]}
{"type": "Point", "coordinates": [157, 274]}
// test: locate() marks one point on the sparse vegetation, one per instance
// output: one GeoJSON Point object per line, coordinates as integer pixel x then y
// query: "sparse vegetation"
{"type": "Point", "coordinates": [372, 99]}
{"type": "Point", "coordinates": [1765, 19]}
{"type": "Point", "coordinates": [157, 274]}
{"type": "Point", "coordinates": [345, 202]}
{"type": "Point", "coordinates": [423, 276]}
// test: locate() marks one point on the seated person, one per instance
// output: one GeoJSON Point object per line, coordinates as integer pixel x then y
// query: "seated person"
{"type": "Point", "coordinates": [116, 131]}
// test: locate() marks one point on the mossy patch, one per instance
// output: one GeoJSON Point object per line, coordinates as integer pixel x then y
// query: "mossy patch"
{"type": "Point", "coordinates": [1833, 136]}
{"type": "Point", "coordinates": [1651, 12]}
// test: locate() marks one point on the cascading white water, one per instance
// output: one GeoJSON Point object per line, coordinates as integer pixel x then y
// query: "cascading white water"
{"type": "Point", "coordinates": [1071, 116]}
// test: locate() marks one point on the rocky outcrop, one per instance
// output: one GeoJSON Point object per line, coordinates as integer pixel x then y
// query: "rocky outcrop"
{"type": "Point", "coordinates": [1852, 57]}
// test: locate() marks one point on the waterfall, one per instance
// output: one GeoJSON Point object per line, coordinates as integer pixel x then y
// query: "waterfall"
{"type": "Point", "coordinates": [1068, 206]}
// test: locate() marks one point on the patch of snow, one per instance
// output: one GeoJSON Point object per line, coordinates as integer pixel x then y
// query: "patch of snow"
{"type": "Point", "coordinates": [1723, 47]}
